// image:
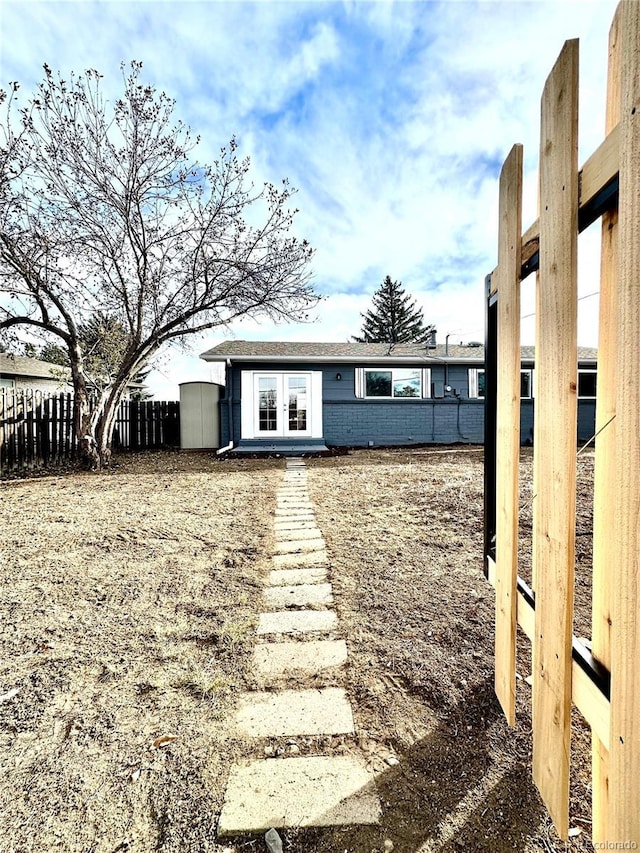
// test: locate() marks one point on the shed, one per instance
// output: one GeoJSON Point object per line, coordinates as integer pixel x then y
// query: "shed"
{"type": "Point", "coordinates": [199, 416]}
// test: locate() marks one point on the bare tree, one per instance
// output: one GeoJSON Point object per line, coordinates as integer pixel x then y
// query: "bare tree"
{"type": "Point", "coordinates": [104, 208]}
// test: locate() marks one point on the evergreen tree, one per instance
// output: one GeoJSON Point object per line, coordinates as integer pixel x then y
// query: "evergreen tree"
{"type": "Point", "coordinates": [394, 317]}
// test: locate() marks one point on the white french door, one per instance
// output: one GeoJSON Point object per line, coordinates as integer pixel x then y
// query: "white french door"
{"type": "Point", "coordinates": [282, 405]}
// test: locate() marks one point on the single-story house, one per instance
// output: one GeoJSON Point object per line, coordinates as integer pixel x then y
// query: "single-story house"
{"type": "Point", "coordinates": [23, 373]}
{"type": "Point", "coordinates": [20, 372]}
{"type": "Point", "coordinates": [296, 397]}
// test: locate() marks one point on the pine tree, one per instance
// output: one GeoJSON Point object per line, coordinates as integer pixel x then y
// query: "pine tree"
{"type": "Point", "coordinates": [394, 317]}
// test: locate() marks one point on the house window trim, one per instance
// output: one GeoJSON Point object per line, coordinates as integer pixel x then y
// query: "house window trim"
{"type": "Point", "coordinates": [474, 373]}
{"type": "Point", "coordinates": [360, 382]}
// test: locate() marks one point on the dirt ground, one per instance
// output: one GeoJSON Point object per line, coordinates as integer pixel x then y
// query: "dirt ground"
{"type": "Point", "coordinates": [127, 623]}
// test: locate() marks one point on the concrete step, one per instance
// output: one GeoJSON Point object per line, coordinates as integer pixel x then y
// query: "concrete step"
{"type": "Point", "coordinates": [310, 558]}
{"type": "Point", "coordinates": [273, 660]}
{"type": "Point", "coordinates": [301, 542]}
{"type": "Point", "coordinates": [296, 525]}
{"type": "Point", "coordinates": [304, 792]}
{"type": "Point", "coordinates": [296, 513]}
{"type": "Point", "coordinates": [291, 577]}
{"type": "Point", "coordinates": [295, 712]}
{"type": "Point", "coordinates": [297, 622]}
{"type": "Point", "coordinates": [299, 595]}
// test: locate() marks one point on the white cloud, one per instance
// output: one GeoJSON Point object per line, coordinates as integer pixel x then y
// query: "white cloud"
{"type": "Point", "coordinates": [392, 119]}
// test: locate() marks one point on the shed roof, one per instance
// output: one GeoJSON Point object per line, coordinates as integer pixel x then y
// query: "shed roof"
{"type": "Point", "coordinates": [349, 351]}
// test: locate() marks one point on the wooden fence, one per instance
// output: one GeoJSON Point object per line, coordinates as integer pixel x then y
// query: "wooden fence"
{"type": "Point", "coordinates": [36, 428]}
{"type": "Point", "coordinates": [604, 682]}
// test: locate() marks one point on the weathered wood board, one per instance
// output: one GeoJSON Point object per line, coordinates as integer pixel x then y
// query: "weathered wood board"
{"type": "Point", "coordinates": [508, 428]}
{"type": "Point", "coordinates": [624, 776]}
{"type": "Point", "coordinates": [555, 430]}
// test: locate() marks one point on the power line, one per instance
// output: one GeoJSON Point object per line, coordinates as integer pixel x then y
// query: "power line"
{"type": "Point", "coordinates": [580, 298]}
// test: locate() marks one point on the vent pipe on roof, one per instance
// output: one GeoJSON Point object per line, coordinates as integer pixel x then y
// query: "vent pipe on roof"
{"type": "Point", "coordinates": [431, 340]}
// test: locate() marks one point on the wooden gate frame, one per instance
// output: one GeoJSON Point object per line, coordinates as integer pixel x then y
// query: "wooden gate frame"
{"type": "Point", "coordinates": [604, 683]}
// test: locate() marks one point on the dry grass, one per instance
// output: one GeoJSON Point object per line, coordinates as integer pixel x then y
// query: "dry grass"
{"type": "Point", "coordinates": [127, 615]}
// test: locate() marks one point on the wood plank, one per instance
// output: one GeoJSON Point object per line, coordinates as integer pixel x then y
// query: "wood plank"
{"type": "Point", "coordinates": [624, 781]}
{"type": "Point", "coordinates": [605, 475]}
{"type": "Point", "coordinates": [555, 432]}
{"type": "Point", "coordinates": [508, 429]}
{"type": "Point", "coordinates": [588, 699]}
{"type": "Point", "coordinates": [598, 171]}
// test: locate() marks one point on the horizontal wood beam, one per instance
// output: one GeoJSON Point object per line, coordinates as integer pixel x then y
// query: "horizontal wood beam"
{"type": "Point", "coordinates": [598, 173]}
{"type": "Point", "coordinates": [585, 694]}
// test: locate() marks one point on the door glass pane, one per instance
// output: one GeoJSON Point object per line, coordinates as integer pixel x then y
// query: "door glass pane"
{"type": "Point", "coordinates": [297, 403]}
{"type": "Point", "coordinates": [267, 394]}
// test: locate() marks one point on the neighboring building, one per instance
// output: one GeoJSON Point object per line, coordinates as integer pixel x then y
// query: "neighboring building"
{"type": "Point", "coordinates": [18, 372]}
{"type": "Point", "coordinates": [306, 396]}
{"type": "Point", "coordinates": [21, 373]}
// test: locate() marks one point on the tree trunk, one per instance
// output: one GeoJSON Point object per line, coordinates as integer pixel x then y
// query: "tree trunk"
{"type": "Point", "coordinates": [94, 421]}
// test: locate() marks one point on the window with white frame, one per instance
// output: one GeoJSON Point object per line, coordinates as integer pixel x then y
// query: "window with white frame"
{"type": "Point", "coordinates": [395, 383]}
{"type": "Point", "coordinates": [477, 380]}
{"type": "Point", "coordinates": [587, 384]}
{"type": "Point", "coordinates": [526, 384]}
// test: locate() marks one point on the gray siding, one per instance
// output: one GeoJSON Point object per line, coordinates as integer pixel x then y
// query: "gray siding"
{"type": "Point", "coordinates": [351, 422]}
{"type": "Point", "coordinates": [401, 422]}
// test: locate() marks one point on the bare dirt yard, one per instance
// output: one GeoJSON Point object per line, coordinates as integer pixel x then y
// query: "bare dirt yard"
{"type": "Point", "coordinates": [127, 615]}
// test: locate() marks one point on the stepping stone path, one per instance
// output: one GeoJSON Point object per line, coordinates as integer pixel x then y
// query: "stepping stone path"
{"type": "Point", "coordinates": [297, 791]}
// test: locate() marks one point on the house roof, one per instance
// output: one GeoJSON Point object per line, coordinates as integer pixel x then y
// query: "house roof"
{"type": "Point", "coordinates": [21, 365]}
{"type": "Point", "coordinates": [32, 368]}
{"type": "Point", "coordinates": [274, 351]}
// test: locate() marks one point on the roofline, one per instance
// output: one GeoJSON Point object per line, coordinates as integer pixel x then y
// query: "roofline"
{"type": "Point", "coordinates": [369, 359]}
{"type": "Point", "coordinates": [343, 359]}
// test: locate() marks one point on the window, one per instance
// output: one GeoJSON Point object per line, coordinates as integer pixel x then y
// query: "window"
{"type": "Point", "coordinates": [394, 383]}
{"type": "Point", "coordinates": [587, 384]}
{"type": "Point", "coordinates": [476, 382]}
{"type": "Point", "coordinates": [526, 384]}
{"type": "Point", "coordinates": [477, 386]}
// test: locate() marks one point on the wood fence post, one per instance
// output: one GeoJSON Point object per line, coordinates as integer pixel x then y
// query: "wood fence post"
{"type": "Point", "coordinates": [605, 483]}
{"type": "Point", "coordinates": [624, 780]}
{"type": "Point", "coordinates": [555, 436]}
{"type": "Point", "coordinates": [508, 429]}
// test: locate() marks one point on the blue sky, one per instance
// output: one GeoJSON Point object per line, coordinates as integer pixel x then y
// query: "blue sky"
{"type": "Point", "coordinates": [392, 118]}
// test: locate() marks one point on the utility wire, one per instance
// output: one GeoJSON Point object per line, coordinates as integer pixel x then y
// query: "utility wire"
{"type": "Point", "coordinates": [580, 298]}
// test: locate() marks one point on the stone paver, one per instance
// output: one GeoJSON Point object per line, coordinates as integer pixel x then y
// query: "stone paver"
{"type": "Point", "coordinates": [295, 712]}
{"type": "Point", "coordinates": [318, 791]}
{"type": "Point", "coordinates": [295, 524]}
{"type": "Point", "coordinates": [302, 542]}
{"type": "Point", "coordinates": [271, 660]}
{"type": "Point", "coordinates": [310, 558]}
{"type": "Point", "coordinates": [290, 577]}
{"type": "Point", "coordinates": [287, 534]}
{"type": "Point", "coordinates": [309, 791]}
{"type": "Point", "coordinates": [293, 512]}
{"type": "Point", "coordinates": [296, 506]}
{"type": "Point", "coordinates": [300, 595]}
{"type": "Point", "coordinates": [297, 622]}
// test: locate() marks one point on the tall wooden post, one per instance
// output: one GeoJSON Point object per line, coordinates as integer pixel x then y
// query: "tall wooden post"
{"type": "Point", "coordinates": [624, 778]}
{"type": "Point", "coordinates": [508, 428]}
{"type": "Point", "coordinates": [555, 436]}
